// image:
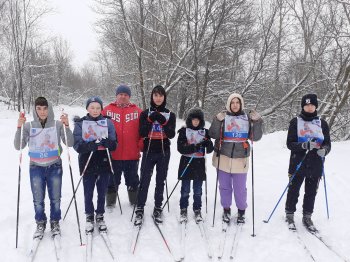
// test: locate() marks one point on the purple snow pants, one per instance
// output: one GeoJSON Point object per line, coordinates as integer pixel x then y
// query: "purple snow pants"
{"type": "Point", "coordinates": [235, 182]}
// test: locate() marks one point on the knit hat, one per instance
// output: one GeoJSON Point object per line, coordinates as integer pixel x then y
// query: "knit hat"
{"type": "Point", "coordinates": [232, 96]}
{"type": "Point", "coordinates": [159, 90]}
{"type": "Point", "coordinates": [94, 99]}
{"type": "Point", "coordinates": [123, 89]}
{"type": "Point", "coordinates": [309, 99]}
{"type": "Point", "coordinates": [195, 113]}
{"type": "Point", "coordinates": [41, 101]}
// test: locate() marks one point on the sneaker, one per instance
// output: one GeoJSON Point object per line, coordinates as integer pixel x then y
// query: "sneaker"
{"type": "Point", "coordinates": [132, 194]}
{"type": "Point", "coordinates": [198, 216]}
{"type": "Point", "coordinates": [55, 228]}
{"type": "Point", "coordinates": [183, 215]}
{"type": "Point", "coordinates": [241, 217]}
{"type": "Point", "coordinates": [307, 222]}
{"type": "Point", "coordinates": [89, 227]}
{"type": "Point", "coordinates": [40, 229]}
{"type": "Point", "coordinates": [157, 215]}
{"type": "Point", "coordinates": [290, 221]}
{"type": "Point", "coordinates": [226, 216]}
{"type": "Point", "coordinates": [101, 224]}
{"type": "Point", "coordinates": [111, 198]}
{"type": "Point", "coordinates": [139, 216]}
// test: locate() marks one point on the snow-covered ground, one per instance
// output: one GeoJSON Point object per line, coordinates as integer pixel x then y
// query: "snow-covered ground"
{"type": "Point", "coordinates": [273, 241]}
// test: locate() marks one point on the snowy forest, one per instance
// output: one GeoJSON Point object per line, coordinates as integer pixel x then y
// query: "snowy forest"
{"type": "Point", "coordinates": [272, 52]}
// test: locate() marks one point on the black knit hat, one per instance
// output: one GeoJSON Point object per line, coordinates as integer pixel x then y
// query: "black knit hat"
{"type": "Point", "coordinates": [41, 101]}
{"type": "Point", "coordinates": [158, 90]}
{"type": "Point", "coordinates": [195, 113]}
{"type": "Point", "coordinates": [94, 99]}
{"type": "Point", "coordinates": [309, 99]}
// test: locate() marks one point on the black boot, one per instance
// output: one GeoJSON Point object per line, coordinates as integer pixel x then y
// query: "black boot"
{"type": "Point", "coordinates": [307, 222]}
{"type": "Point", "coordinates": [132, 193]}
{"type": "Point", "coordinates": [55, 228]}
{"type": "Point", "coordinates": [226, 216]}
{"type": "Point", "coordinates": [198, 216]}
{"type": "Point", "coordinates": [157, 215]}
{"type": "Point", "coordinates": [100, 222]}
{"type": "Point", "coordinates": [138, 216]}
{"type": "Point", "coordinates": [290, 221]}
{"type": "Point", "coordinates": [89, 227]}
{"type": "Point", "coordinates": [111, 199]}
{"type": "Point", "coordinates": [40, 229]}
{"type": "Point", "coordinates": [241, 216]}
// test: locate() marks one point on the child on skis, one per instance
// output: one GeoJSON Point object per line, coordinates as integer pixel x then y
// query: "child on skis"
{"type": "Point", "coordinates": [45, 168]}
{"type": "Point", "coordinates": [94, 156]}
{"type": "Point", "coordinates": [157, 127]}
{"type": "Point", "coordinates": [193, 143]}
{"type": "Point", "coordinates": [309, 149]}
{"type": "Point", "coordinates": [232, 152]}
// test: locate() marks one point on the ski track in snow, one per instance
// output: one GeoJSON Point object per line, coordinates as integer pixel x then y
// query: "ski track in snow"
{"type": "Point", "coordinates": [273, 241]}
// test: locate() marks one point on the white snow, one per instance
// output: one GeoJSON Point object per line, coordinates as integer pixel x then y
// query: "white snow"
{"type": "Point", "coordinates": [273, 241]}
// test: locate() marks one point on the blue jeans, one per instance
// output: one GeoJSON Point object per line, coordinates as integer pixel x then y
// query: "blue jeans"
{"type": "Point", "coordinates": [40, 177]}
{"type": "Point", "coordinates": [89, 182]}
{"type": "Point", "coordinates": [129, 168]}
{"type": "Point", "coordinates": [197, 194]}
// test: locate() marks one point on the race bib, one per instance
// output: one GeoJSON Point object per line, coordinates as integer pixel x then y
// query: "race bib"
{"type": "Point", "coordinates": [236, 128]}
{"type": "Point", "coordinates": [195, 137]}
{"type": "Point", "coordinates": [43, 144]}
{"type": "Point", "coordinates": [94, 130]}
{"type": "Point", "coordinates": [157, 131]}
{"type": "Point", "coordinates": [310, 130]}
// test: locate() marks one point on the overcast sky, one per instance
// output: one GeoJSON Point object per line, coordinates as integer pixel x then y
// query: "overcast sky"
{"type": "Point", "coordinates": [73, 20]}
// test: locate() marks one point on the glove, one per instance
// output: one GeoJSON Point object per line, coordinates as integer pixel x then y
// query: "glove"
{"type": "Point", "coordinates": [105, 142]}
{"type": "Point", "coordinates": [221, 116]}
{"type": "Point", "coordinates": [321, 152]}
{"type": "Point", "coordinates": [92, 146]}
{"type": "Point", "coordinates": [160, 118]}
{"type": "Point", "coordinates": [309, 145]}
{"type": "Point", "coordinates": [254, 116]}
{"type": "Point", "coordinates": [153, 117]}
{"type": "Point", "coordinates": [198, 147]}
{"type": "Point", "coordinates": [205, 142]}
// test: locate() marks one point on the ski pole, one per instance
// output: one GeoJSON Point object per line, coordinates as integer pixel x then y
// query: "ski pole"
{"type": "Point", "coordinates": [217, 172]}
{"type": "Point", "coordinates": [325, 187]}
{"type": "Point", "coordinates": [72, 181]}
{"type": "Point", "coordinates": [182, 174]}
{"type": "Point", "coordinates": [75, 191]}
{"type": "Point", "coordinates": [19, 178]}
{"type": "Point", "coordinates": [290, 181]}
{"type": "Point", "coordinates": [206, 196]}
{"type": "Point", "coordinates": [110, 164]}
{"type": "Point", "coordinates": [167, 193]}
{"type": "Point", "coordinates": [253, 209]}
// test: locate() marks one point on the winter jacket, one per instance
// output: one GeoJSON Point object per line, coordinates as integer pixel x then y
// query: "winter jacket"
{"type": "Point", "coordinates": [233, 154]}
{"type": "Point", "coordinates": [156, 145]}
{"type": "Point", "coordinates": [99, 162]}
{"type": "Point", "coordinates": [312, 166]}
{"type": "Point", "coordinates": [196, 169]}
{"type": "Point", "coordinates": [50, 122]}
{"type": "Point", "coordinates": [126, 123]}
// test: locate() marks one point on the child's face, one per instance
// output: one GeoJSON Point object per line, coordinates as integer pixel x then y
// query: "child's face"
{"type": "Point", "coordinates": [42, 112]}
{"type": "Point", "coordinates": [235, 105]}
{"type": "Point", "coordinates": [158, 99]}
{"type": "Point", "coordinates": [94, 109]}
{"type": "Point", "coordinates": [195, 122]}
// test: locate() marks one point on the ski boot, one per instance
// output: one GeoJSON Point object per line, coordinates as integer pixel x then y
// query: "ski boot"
{"type": "Point", "coordinates": [139, 216]}
{"type": "Point", "coordinates": [55, 228]}
{"type": "Point", "coordinates": [240, 217]}
{"type": "Point", "coordinates": [198, 216]}
{"type": "Point", "coordinates": [226, 216]}
{"type": "Point", "coordinates": [40, 229]}
{"type": "Point", "coordinates": [309, 225]}
{"type": "Point", "coordinates": [183, 215]}
{"type": "Point", "coordinates": [157, 215]}
{"type": "Point", "coordinates": [100, 222]}
{"type": "Point", "coordinates": [290, 221]}
{"type": "Point", "coordinates": [89, 227]}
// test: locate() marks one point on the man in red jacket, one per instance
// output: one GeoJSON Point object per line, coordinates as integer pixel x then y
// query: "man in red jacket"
{"type": "Point", "coordinates": [125, 117]}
